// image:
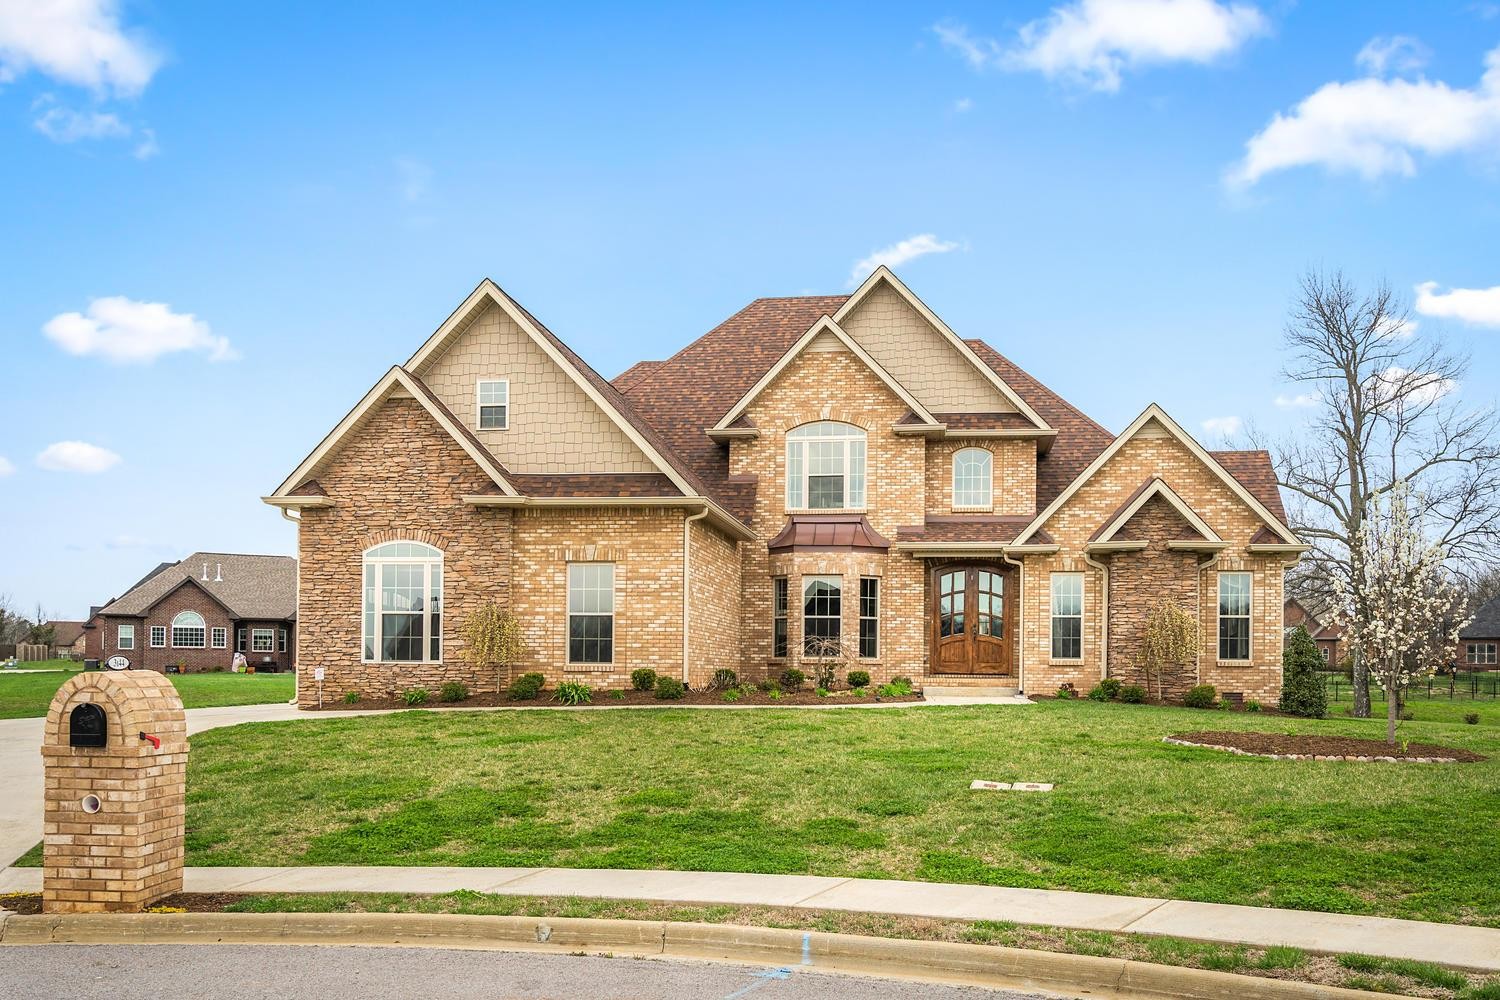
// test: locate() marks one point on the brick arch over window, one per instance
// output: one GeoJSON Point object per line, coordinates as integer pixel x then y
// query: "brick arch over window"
{"type": "Point", "coordinates": [837, 414]}
{"type": "Point", "coordinates": [432, 538]}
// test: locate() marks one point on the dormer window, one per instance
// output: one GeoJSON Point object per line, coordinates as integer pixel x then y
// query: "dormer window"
{"type": "Point", "coordinates": [493, 412]}
{"type": "Point", "coordinates": [973, 479]}
{"type": "Point", "coordinates": [825, 467]}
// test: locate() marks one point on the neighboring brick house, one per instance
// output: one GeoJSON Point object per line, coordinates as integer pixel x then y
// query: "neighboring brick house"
{"type": "Point", "coordinates": [815, 471]}
{"type": "Point", "coordinates": [1479, 641]}
{"type": "Point", "coordinates": [1323, 626]}
{"type": "Point", "coordinates": [195, 614]}
{"type": "Point", "coordinates": [67, 640]}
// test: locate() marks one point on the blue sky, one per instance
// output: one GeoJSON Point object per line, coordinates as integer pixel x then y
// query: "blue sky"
{"type": "Point", "coordinates": [305, 195]}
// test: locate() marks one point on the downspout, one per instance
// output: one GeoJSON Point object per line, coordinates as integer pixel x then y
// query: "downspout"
{"type": "Point", "coordinates": [1104, 617]}
{"type": "Point", "coordinates": [687, 527]}
{"type": "Point", "coordinates": [296, 674]}
{"type": "Point", "coordinates": [1207, 564]}
{"type": "Point", "coordinates": [1020, 621]}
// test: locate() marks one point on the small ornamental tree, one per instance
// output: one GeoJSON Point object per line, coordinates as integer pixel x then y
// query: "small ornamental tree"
{"type": "Point", "coordinates": [1170, 638]}
{"type": "Point", "coordinates": [492, 638]}
{"type": "Point", "coordinates": [1403, 610]}
{"type": "Point", "coordinates": [1302, 691]}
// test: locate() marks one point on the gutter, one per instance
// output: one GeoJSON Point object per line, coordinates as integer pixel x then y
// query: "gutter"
{"type": "Point", "coordinates": [687, 529]}
{"type": "Point", "coordinates": [1020, 621]}
{"type": "Point", "coordinates": [720, 517]}
{"type": "Point", "coordinates": [1104, 616]}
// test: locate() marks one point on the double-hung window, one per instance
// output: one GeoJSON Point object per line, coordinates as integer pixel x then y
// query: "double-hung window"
{"type": "Point", "coordinates": [188, 631]}
{"type": "Point", "coordinates": [220, 638]}
{"type": "Point", "coordinates": [1482, 654]}
{"type": "Point", "coordinates": [125, 637]}
{"type": "Point", "coordinates": [493, 413]}
{"type": "Point", "coordinates": [778, 616]}
{"type": "Point", "coordinates": [973, 478]}
{"type": "Point", "coordinates": [825, 467]}
{"type": "Point", "coordinates": [262, 640]}
{"type": "Point", "coordinates": [1067, 616]}
{"type": "Point", "coordinates": [591, 612]}
{"type": "Point", "coordinates": [869, 617]}
{"type": "Point", "coordinates": [281, 640]}
{"type": "Point", "coordinates": [822, 615]}
{"type": "Point", "coordinates": [1234, 616]}
{"type": "Point", "coordinates": [403, 604]}
{"type": "Point", "coordinates": [158, 636]}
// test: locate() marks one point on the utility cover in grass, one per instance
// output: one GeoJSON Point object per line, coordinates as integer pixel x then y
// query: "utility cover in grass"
{"type": "Point", "coordinates": [1010, 786]}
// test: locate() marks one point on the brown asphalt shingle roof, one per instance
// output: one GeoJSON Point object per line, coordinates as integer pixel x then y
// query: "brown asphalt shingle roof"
{"type": "Point", "coordinates": [253, 586]}
{"type": "Point", "coordinates": [65, 633]}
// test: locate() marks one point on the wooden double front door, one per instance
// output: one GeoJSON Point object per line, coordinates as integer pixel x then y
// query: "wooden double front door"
{"type": "Point", "coordinates": [973, 616]}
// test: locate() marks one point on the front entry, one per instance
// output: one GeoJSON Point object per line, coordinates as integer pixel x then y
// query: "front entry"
{"type": "Point", "coordinates": [973, 613]}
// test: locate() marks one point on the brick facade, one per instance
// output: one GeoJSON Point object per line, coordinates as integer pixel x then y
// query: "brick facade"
{"type": "Point", "coordinates": [187, 597]}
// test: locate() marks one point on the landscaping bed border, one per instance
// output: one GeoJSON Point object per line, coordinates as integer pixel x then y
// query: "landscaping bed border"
{"type": "Point", "coordinates": [1224, 741]}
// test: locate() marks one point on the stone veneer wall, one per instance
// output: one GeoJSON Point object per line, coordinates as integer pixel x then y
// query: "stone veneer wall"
{"type": "Point", "coordinates": [895, 495]}
{"type": "Point", "coordinates": [1137, 582]}
{"type": "Point", "coordinates": [1154, 453]}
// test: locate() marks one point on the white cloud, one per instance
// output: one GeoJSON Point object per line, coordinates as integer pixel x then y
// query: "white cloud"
{"type": "Point", "coordinates": [76, 456]}
{"type": "Point", "coordinates": [1223, 427]}
{"type": "Point", "coordinates": [147, 146]}
{"type": "Point", "coordinates": [1298, 401]}
{"type": "Point", "coordinates": [124, 330]}
{"type": "Point", "coordinates": [1480, 306]}
{"type": "Point", "coordinates": [1373, 127]}
{"type": "Point", "coordinates": [963, 104]}
{"type": "Point", "coordinates": [897, 254]}
{"type": "Point", "coordinates": [66, 125]}
{"type": "Point", "coordinates": [79, 42]}
{"type": "Point", "coordinates": [6, 468]}
{"type": "Point", "coordinates": [1397, 53]}
{"type": "Point", "coordinates": [1092, 42]}
{"type": "Point", "coordinates": [1417, 386]}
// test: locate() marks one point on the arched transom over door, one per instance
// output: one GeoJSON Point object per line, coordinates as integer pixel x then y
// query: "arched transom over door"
{"type": "Point", "coordinates": [972, 620]}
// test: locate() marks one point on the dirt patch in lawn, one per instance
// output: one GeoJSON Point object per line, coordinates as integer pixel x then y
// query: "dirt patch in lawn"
{"type": "Point", "coordinates": [489, 699]}
{"type": "Point", "coordinates": [1303, 746]}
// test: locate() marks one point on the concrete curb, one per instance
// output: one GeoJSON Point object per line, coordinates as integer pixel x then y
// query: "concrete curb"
{"type": "Point", "coordinates": [931, 961]}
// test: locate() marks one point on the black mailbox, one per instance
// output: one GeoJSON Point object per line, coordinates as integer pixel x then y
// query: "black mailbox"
{"type": "Point", "coordinates": [86, 726]}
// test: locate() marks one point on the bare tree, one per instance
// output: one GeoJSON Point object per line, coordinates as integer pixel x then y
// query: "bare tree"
{"type": "Point", "coordinates": [1385, 412]}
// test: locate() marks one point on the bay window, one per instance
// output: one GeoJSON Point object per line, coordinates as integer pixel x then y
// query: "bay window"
{"type": "Point", "coordinates": [822, 615]}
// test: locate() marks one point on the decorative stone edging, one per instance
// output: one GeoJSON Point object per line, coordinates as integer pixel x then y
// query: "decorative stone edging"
{"type": "Point", "coordinates": [1309, 756]}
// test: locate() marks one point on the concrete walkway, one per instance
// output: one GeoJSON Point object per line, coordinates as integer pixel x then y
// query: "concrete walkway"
{"type": "Point", "coordinates": [1451, 944]}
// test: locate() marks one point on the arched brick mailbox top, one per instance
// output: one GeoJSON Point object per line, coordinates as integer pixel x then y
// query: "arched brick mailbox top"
{"type": "Point", "coordinates": [134, 702]}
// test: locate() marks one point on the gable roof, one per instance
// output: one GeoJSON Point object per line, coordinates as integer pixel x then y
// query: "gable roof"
{"type": "Point", "coordinates": [1486, 623]}
{"type": "Point", "coordinates": [1144, 494]}
{"type": "Point", "coordinates": [825, 325]}
{"type": "Point", "coordinates": [248, 586]}
{"type": "Point", "coordinates": [65, 633]}
{"type": "Point", "coordinates": [883, 275]}
{"type": "Point", "coordinates": [1155, 413]}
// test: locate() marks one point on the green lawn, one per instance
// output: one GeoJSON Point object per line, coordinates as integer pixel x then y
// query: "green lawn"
{"type": "Point", "coordinates": [30, 695]}
{"type": "Point", "coordinates": [1431, 700]}
{"type": "Point", "coordinates": [46, 665]}
{"type": "Point", "coordinates": [880, 793]}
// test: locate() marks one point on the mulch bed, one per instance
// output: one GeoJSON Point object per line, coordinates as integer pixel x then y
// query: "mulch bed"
{"type": "Point", "coordinates": [1302, 746]}
{"type": "Point", "coordinates": [28, 903]}
{"type": "Point", "coordinates": [490, 699]}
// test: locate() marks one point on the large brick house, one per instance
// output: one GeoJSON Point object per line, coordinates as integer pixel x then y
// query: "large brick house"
{"type": "Point", "coordinates": [195, 614]}
{"type": "Point", "coordinates": [1321, 623]}
{"type": "Point", "coordinates": [815, 472]}
{"type": "Point", "coordinates": [1479, 641]}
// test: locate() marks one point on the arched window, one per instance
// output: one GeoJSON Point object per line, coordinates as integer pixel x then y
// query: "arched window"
{"type": "Point", "coordinates": [825, 466]}
{"type": "Point", "coordinates": [188, 631]}
{"type": "Point", "coordinates": [973, 479]}
{"type": "Point", "coordinates": [403, 603]}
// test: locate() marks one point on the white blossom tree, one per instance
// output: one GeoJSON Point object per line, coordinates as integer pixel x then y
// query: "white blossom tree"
{"type": "Point", "coordinates": [1402, 607]}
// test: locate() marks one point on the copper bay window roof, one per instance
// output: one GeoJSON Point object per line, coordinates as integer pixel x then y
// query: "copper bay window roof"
{"type": "Point", "coordinates": [828, 531]}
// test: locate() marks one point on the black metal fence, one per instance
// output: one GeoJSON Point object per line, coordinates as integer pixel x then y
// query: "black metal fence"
{"type": "Point", "coordinates": [1462, 686]}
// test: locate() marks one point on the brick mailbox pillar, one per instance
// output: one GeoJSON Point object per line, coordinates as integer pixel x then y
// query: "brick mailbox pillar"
{"type": "Point", "coordinates": [115, 757]}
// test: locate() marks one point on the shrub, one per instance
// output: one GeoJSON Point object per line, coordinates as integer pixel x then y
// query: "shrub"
{"type": "Point", "coordinates": [1302, 691]}
{"type": "Point", "coordinates": [643, 678]}
{"type": "Point", "coordinates": [859, 678]}
{"type": "Point", "coordinates": [1111, 687]}
{"type": "Point", "coordinates": [1252, 705]}
{"type": "Point", "coordinates": [905, 682]}
{"type": "Point", "coordinates": [492, 638]}
{"type": "Point", "coordinates": [733, 694]}
{"type": "Point", "coordinates": [669, 688]}
{"type": "Point", "coordinates": [1202, 696]}
{"type": "Point", "coordinates": [1406, 715]}
{"type": "Point", "coordinates": [617, 695]}
{"type": "Point", "coordinates": [527, 687]}
{"type": "Point", "coordinates": [821, 692]}
{"type": "Point", "coordinates": [1133, 694]}
{"type": "Point", "coordinates": [1066, 692]}
{"type": "Point", "coordinates": [774, 694]}
{"type": "Point", "coordinates": [723, 678]}
{"type": "Point", "coordinates": [768, 686]}
{"type": "Point", "coordinates": [862, 692]}
{"type": "Point", "coordinates": [1097, 693]}
{"type": "Point", "coordinates": [414, 696]}
{"type": "Point", "coordinates": [453, 691]}
{"type": "Point", "coordinates": [792, 678]}
{"type": "Point", "coordinates": [352, 698]}
{"type": "Point", "coordinates": [1472, 718]}
{"type": "Point", "coordinates": [573, 693]}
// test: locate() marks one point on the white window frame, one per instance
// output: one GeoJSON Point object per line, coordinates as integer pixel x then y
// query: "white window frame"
{"type": "Point", "coordinates": [980, 501]}
{"type": "Point", "coordinates": [578, 586]}
{"type": "Point", "coordinates": [1055, 616]}
{"type": "Point", "coordinates": [1327, 654]}
{"type": "Point", "coordinates": [124, 636]}
{"type": "Point", "coordinates": [155, 632]}
{"type": "Point", "coordinates": [873, 618]}
{"type": "Point", "coordinates": [219, 636]}
{"type": "Point", "coordinates": [201, 627]}
{"type": "Point", "coordinates": [1248, 616]}
{"type": "Point", "coordinates": [257, 634]}
{"type": "Point", "coordinates": [1482, 654]}
{"type": "Point", "coordinates": [480, 404]}
{"type": "Point", "coordinates": [375, 559]}
{"type": "Point", "coordinates": [852, 445]}
{"type": "Point", "coordinates": [837, 619]}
